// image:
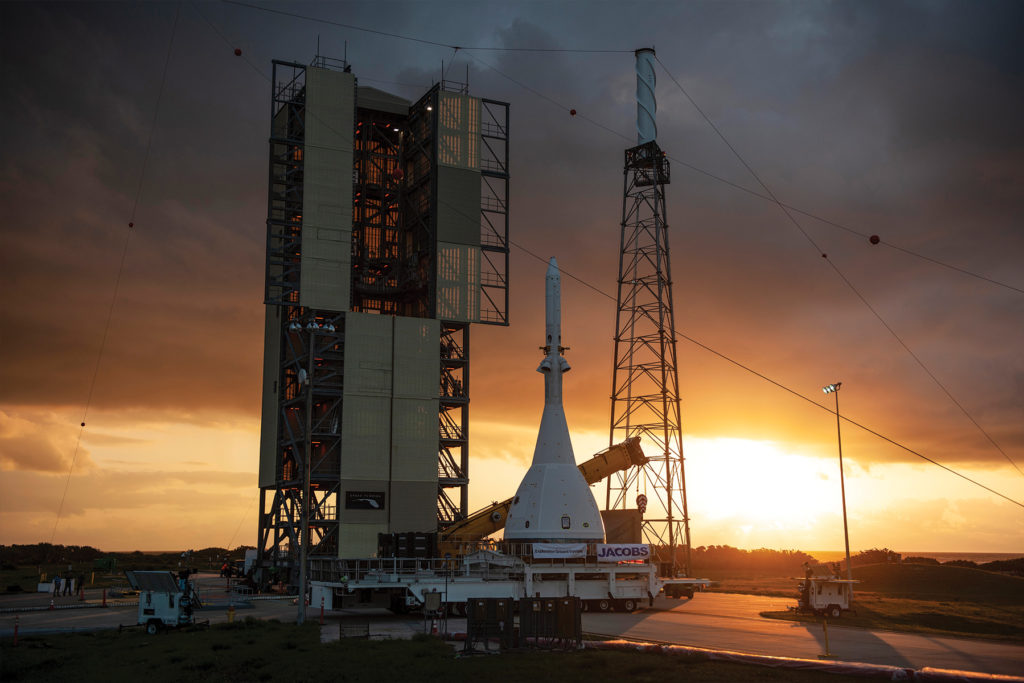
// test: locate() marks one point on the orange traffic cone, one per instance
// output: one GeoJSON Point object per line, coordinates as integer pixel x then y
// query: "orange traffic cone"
{"type": "Point", "coordinates": [51, 603]}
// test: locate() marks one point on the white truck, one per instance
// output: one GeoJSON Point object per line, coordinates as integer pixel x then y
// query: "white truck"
{"type": "Point", "coordinates": [401, 584]}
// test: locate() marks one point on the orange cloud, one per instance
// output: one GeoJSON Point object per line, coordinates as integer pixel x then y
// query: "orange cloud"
{"type": "Point", "coordinates": [40, 443]}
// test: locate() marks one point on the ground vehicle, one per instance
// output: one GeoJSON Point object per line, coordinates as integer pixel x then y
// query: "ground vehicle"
{"type": "Point", "coordinates": [401, 584]}
{"type": "Point", "coordinates": [826, 595]}
{"type": "Point", "coordinates": [165, 600]}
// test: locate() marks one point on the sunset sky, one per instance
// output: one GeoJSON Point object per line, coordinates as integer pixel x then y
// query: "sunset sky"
{"type": "Point", "coordinates": [901, 119]}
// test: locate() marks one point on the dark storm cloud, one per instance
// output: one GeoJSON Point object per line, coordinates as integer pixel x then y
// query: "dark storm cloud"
{"type": "Point", "coordinates": [824, 116]}
{"type": "Point", "coordinates": [896, 118]}
{"type": "Point", "coordinates": [188, 303]}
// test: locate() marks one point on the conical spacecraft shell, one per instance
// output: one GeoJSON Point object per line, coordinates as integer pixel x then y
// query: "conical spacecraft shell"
{"type": "Point", "coordinates": [553, 503]}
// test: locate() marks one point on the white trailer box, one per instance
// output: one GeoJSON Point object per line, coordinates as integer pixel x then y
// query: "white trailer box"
{"type": "Point", "coordinates": [826, 595]}
{"type": "Point", "coordinates": [164, 601]}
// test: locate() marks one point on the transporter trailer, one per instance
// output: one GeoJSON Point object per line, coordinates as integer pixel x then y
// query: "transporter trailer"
{"type": "Point", "coordinates": [597, 576]}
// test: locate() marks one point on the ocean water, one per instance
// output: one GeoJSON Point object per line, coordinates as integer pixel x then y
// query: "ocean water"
{"type": "Point", "coordinates": [980, 558]}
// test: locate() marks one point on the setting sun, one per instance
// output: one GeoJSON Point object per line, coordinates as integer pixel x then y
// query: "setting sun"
{"type": "Point", "coordinates": [758, 484]}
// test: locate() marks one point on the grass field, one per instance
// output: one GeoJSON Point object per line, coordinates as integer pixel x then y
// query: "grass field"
{"type": "Point", "coordinates": [266, 651]}
{"type": "Point", "coordinates": [941, 600]}
{"type": "Point", "coordinates": [750, 583]}
{"type": "Point", "coordinates": [968, 619]}
{"type": "Point", "coordinates": [935, 582]}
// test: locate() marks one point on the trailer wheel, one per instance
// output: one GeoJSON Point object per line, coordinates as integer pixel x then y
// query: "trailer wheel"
{"type": "Point", "coordinates": [584, 605]}
{"type": "Point", "coordinates": [834, 611]}
{"type": "Point", "coordinates": [629, 605]}
{"type": "Point", "coordinates": [457, 609]}
{"type": "Point", "coordinates": [604, 605]}
{"type": "Point", "coordinates": [152, 626]}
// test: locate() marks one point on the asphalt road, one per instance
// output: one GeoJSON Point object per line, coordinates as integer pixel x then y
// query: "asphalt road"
{"type": "Point", "coordinates": [721, 621]}
{"type": "Point", "coordinates": [730, 622]}
{"type": "Point", "coordinates": [72, 614]}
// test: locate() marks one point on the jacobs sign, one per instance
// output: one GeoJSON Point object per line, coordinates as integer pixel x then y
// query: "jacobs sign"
{"type": "Point", "coordinates": [619, 552]}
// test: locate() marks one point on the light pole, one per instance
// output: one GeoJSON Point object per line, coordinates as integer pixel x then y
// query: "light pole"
{"type": "Point", "coordinates": [834, 389]}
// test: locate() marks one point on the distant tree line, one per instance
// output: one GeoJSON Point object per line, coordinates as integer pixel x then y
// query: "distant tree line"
{"type": "Point", "coordinates": [41, 554]}
{"type": "Point", "coordinates": [884, 555]}
{"type": "Point", "coordinates": [761, 560]}
{"type": "Point", "coordinates": [718, 557]}
{"type": "Point", "coordinates": [1013, 566]}
{"type": "Point", "coordinates": [47, 553]}
{"type": "Point", "coordinates": [875, 556]}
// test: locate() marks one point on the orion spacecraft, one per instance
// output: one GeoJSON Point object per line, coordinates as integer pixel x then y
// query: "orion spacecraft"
{"type": "Point", "coordinates": [553, 503]}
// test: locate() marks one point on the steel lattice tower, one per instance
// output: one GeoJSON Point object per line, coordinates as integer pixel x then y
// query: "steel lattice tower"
{"type": "Point", "coordinates": [645, 380]}
{"type": "Point", "coordinates": [387, 239]}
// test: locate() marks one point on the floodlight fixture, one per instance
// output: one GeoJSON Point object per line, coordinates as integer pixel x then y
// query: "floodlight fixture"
{"type": "Point", "coordinates": [832, 388]}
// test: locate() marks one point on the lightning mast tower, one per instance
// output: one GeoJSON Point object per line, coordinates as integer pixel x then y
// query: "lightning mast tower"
{"type": "Point", "coordinates": [645, 379]}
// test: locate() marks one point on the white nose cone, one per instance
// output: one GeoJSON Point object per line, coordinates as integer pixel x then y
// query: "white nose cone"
{"type": "Point", "coordinates": [553, 503]}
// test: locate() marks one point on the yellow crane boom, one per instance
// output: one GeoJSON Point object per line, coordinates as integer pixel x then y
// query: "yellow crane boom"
{"type": "Point", "coordinates": [490, 519]}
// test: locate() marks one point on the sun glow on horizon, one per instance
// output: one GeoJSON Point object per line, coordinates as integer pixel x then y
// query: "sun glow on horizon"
{"type": "Point", "coordinates": [756, 493]}
{"type": "Point", "coordinates": [147, 484]}
{"type": "Point", "coordinates": [759, 483]}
